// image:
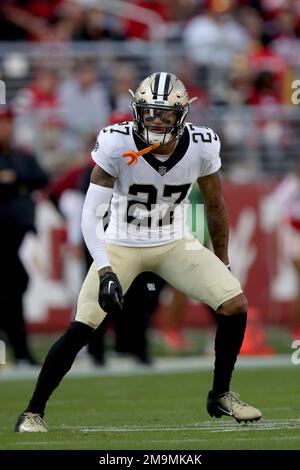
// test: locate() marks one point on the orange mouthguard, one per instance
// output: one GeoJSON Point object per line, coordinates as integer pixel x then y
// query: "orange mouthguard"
{"type": "Point", "coordinates": [134, 154]}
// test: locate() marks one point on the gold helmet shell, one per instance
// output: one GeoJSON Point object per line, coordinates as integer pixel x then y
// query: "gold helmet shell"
{"type": "Point", "coordinates": [160, 91]}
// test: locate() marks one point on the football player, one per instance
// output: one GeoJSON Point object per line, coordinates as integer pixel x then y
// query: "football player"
{"type": "Point", "coordinates": [145, 170]}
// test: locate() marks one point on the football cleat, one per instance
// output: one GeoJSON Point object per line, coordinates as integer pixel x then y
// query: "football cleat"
{"type": "Point", "coordinates": [229, 404]}
{"type": "Point", "coordinates": [30, 422]}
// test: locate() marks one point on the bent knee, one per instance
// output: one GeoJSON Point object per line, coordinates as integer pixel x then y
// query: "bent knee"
{"type": "Point", "coordinates": [234, 306]}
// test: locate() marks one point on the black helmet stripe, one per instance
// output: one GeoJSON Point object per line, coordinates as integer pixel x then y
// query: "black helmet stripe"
{"type": "Point", "coordinates": [161, 86]}
{"type": "Point", "coordinates": [167, 84]}
{"type": "Point", "coordinates": [155, 89]}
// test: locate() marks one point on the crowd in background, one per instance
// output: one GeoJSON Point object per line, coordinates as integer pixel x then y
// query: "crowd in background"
{"type": "Point", "coordinates": [244, 21]}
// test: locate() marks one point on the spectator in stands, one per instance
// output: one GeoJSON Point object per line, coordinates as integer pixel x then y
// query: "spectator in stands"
{"type": "Point", "coordinates": [187, 72]}
{"type": "Point", "coordinates": [213, 37]}
{"type": "Point", "coordinates": [285, 35]}
{"type": "Point", "coordinates": [39, 124]}
{"type": "Point", "coordinates": [273, 132]}
{"type": "Point", "coordinates": [138, 30]}
{"type": "Point", "coordinates": [20, 176]}
{"type": "Point", "coordinates": [123, 79]}
{"type": "Point", "coordinates": [85, 106]}
{"type": "Point", "coordinates": [172, 13]}
{"type": "Point", "coordinates": [96, 25]}
{"type": "Point", "coordinates": [27, 19]}
{"type": "Point", "coordinates": [253, 23]}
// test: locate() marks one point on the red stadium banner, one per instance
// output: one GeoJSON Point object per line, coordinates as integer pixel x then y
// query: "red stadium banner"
{"type": "Point", "coordinates": [255, 258]}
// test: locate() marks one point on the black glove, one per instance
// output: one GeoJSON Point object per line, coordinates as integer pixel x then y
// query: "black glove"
{"type": "Point", "coordinates": [110, 293]}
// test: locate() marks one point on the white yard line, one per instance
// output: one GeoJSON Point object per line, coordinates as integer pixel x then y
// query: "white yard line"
{"type": "Point", "coordinates": [209, 426]}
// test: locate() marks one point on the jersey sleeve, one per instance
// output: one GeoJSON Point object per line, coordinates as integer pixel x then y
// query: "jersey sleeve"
{"type": "Point", "coordinates": [105, 153]}
{"type": "Point", "coordinates": [210, 155]}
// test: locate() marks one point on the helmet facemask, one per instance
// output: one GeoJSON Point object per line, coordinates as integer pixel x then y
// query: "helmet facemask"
{"type": "Point", "coordinates": [157, 124]}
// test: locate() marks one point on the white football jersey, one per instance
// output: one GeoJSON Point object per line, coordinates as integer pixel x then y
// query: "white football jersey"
{"type": "Point", "coordinates": [150, 198]}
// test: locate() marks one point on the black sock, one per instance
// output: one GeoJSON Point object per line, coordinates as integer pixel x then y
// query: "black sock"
{"type": "Point", "coordinates": [58, 362]}
{"type": "Point", "coordinates": [229, 339]}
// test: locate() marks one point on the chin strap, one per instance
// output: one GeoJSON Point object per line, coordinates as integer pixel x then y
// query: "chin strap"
{"type": "Point", "coordinates": [134, 154]}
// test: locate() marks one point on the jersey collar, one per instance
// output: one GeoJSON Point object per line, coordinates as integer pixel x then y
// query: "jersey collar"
{"type": "Point", "coordinates": [163, 167]}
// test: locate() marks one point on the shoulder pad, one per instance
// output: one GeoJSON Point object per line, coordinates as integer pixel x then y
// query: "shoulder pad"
{"type": "Point", "coordinates": [113, 138]}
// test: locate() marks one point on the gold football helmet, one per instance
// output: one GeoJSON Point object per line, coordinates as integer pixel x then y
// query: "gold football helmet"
{"type": "Point", "coordinates": [160, 106]}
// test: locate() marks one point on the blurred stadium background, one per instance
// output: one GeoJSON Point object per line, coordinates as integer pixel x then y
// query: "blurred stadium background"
{"type": "Point", "coordinates": [67, 66]}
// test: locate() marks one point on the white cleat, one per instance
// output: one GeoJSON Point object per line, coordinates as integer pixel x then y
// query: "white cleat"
{"type": "Point", "coordinates": [229, 404]}
{"type": "Point", "coordinates": [30, 422]}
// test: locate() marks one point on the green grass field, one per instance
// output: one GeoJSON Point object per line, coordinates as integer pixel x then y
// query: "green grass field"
{"type": "Point", "coordinates": [156, 411]}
